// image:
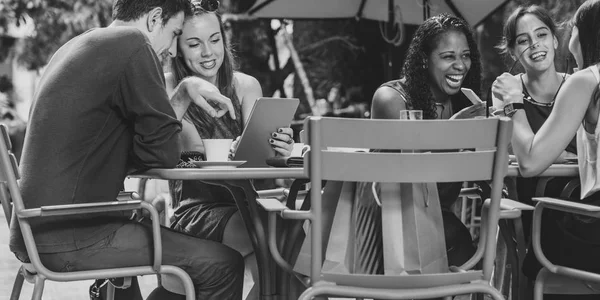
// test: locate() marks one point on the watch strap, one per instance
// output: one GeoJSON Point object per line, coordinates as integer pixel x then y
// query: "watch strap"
{"type": "Point", "coordinates": [511, 108]}
{"type": "Point", "coordinates": [516, 106]}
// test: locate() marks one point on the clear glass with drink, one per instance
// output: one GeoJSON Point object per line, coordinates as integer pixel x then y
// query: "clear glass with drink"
{"type": "Point", "coordinates": [411, 114]}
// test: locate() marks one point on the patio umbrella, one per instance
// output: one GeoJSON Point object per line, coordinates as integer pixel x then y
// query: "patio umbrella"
{"type": "Point", "coordinates": [411, 11]}
{"type": "Point", "coordinates": [396, 13]}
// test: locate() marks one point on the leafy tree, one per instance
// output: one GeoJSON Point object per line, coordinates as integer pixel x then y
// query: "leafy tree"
{"type": "Point", "coordinates": [56, 22]}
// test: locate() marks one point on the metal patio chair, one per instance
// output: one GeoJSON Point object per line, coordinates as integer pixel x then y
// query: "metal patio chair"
{"type": "Point", "coordinates": [489, 161]}
{"type": "Point", "coordinates": [35, 271]}
{"type": "Point", "coordinates": [556, 279]}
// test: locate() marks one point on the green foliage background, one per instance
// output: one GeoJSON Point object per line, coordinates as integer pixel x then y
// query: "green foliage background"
{"type": "Point", "coordinates": [56, 22]}
{"type": "Point", "coordinates": [354, 54]}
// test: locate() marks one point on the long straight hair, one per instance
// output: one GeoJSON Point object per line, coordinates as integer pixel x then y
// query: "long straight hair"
{"type": "Point", "coordinates": [587, 20]}
{"type": "Point", "coordinates": [201, 120]}
{"type": "Point", "coordinates": [510, 25]}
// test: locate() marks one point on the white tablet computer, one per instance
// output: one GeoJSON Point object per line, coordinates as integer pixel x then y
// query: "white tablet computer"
{"type": "Point", "coordinates": [267, 115]}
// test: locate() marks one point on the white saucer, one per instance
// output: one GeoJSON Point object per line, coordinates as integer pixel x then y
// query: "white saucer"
{"type": "Point", "coordinates": [219, 164]}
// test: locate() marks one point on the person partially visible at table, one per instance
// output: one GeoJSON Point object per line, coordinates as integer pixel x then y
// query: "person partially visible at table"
{"type": "Point", "coordinates": [442, 57]}
{"type": "Point", "coordinates": [9, 116]}
{"type": "Point", "coordinates": [100, 111]}
{"type": "Point", "coordinates": [567, 239]}
{"type": "Point", "coordinates": [204, 210]}
{"type": "Point", "coordinates": [532, 26]}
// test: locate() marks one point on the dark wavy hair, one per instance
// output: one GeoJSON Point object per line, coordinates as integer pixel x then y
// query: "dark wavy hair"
{"type": "Point", "coordinates": [131, 10]}
{"type": "Point", "coordinates": [509, 31]}
{"type": "Point", "coordinates": [201, 120]}
{"type": "Point", "coordinates": [417, 78]}
{"type": "Point", "coordinates": [587, 20]}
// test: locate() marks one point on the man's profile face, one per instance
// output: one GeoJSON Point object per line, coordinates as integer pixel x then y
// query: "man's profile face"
{"type": "Point", "coordinates": [164, 41]}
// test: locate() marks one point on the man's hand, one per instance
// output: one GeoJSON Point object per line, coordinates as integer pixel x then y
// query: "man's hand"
{"type": "Point", "coordinates": [201, 92]}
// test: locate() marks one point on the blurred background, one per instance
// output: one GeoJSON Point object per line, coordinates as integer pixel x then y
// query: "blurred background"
{"type": "Point", "coordinates": [332, 62]}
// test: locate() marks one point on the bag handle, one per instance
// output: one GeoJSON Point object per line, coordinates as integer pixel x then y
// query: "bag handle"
{"type": "Point", "coordinates": [378, 201]}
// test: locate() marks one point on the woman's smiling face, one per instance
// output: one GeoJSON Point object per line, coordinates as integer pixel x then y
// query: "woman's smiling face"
{"type": "Point", "coordinates": [449, 63]}
{"type": "Point", "coordinates": [201, 45]}
{"type": "Point", "coordinates": [532, 32]}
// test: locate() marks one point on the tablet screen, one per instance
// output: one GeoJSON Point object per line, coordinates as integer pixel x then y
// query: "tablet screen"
{"type": "Point", "coordinates": [267, 115]}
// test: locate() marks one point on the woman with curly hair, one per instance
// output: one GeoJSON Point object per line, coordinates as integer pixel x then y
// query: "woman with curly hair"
{"type": "Point", "coordinates": [442, 58]}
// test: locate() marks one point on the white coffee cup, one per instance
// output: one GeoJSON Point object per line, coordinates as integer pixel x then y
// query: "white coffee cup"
{"type": "Point", "coordinates": [297, 150]}
{"type": "Point", "coordinates": [217, 149]}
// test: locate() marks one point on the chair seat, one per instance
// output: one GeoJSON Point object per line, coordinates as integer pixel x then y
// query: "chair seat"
{"type": "Point", "coordinates": [402, 281]}
{"type": "Point", "coordinates": [558, 284]}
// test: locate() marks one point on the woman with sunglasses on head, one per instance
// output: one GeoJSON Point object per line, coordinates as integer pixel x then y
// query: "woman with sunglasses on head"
{"type": "Point", "coordinates": [442, 57]}
{"type": "Point", "coordinates": [567, 239]}
{"type": "Point", "coordinates": [204, 210]}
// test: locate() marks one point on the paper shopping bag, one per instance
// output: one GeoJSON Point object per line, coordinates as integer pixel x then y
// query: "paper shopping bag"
{"type": "Point", "coordinates": [413, 229]}
{"type": "Point", "coordinates": [338, 244]}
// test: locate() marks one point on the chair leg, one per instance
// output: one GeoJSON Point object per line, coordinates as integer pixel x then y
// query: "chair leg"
{"type": "Point", "coordinates": [514, 276]}
{"type": "Point", "coordinates": [309, 294]}
{"type": "Point", "coordinates": [38, 288]}
{"type": "Point", "coordinates": [538, 289]}
{"type": "Point", "coordinates": [521, 252]}
{"type": "Point", "coordinates": [496, 295]}
{"type": "Point", "coordinates": [188, 285]}
{"type": "Point", "coordinates": [110, 291]}
{"type": "Point", "coordinates": [17, 286]}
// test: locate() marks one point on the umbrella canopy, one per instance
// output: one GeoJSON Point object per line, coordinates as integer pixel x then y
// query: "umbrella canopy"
{"type": "Point", "coordinates": [411, 11]}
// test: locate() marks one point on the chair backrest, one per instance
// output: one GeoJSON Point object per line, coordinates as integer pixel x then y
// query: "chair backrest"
{"type": "Point", "coordinates": [420, 151]}
{"type": "Point", "coordinates": [6, 147]}
{"type": "Point", "coordinates": [11, 195]}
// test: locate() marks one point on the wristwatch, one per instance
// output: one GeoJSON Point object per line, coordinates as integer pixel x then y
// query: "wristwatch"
{"type": "Point", "coordinates": [511, 108]}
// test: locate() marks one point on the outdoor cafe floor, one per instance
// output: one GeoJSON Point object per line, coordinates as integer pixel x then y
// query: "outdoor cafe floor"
{"type": "Point", "coordinates": [53, 290]}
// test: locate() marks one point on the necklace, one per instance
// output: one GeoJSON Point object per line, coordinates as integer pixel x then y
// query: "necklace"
{"type": "Point", "coordinates": [527, 97]}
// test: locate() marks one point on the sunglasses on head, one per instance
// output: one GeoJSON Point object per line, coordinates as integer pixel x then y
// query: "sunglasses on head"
{"type": "Point", "coordinates": [207, 5]}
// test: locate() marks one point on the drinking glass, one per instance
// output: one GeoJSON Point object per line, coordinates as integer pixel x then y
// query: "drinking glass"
{"type": "Point", "coordinates": [412, 114]}
{"type": "Point", "coordinates": [415, 114]}
{"type": "Point", "coordinates": [404, 115]}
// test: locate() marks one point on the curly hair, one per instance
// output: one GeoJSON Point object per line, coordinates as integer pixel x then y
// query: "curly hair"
{"type": "Point", "coordinates": [201, 120]}
{"type": "Point", "coordinates": [417, 78]}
